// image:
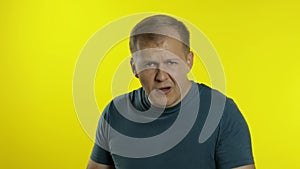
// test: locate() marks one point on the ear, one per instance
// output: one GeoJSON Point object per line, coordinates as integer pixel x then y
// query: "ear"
{"type": "Point", "coordinates": [133, 68]}
{"type": "Point", "coordinates": [190, 60]}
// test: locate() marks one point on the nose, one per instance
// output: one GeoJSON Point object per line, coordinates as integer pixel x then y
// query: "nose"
{"type": "Point", "coordinates": [161, 75]}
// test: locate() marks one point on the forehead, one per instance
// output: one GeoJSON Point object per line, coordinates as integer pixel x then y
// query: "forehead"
{"type": "Point", "coordinates": [160, 44]}
{"type": "Point", "coordinates": [155, 54]}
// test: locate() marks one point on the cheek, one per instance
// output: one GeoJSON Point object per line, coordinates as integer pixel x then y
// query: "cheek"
{"type": "Point", "coordinates": [146, 78]}
{"type": "Point", "coordinates": [178, 75]}
{"type": "Point", "coordinates": [146, 74]}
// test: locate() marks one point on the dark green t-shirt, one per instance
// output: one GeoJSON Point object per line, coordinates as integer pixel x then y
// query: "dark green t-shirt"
{"type": "Point", "coordinates": [204, 131]}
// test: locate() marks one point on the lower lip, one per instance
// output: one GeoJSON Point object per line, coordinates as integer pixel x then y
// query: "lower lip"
{"type": "Point", "coordinates": [165, 91]}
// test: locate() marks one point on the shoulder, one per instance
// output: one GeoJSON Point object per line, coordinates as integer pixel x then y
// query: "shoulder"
{"type": "Point", "coordinates": [121, 102]}
{"type": "Point", "coordinates": [207, 90]}
{"type": "Point", "coordinates": [213, 98]}
{"type": "Point", "coordinates": [216, 98]}
{"type": "Point", "coordinates": [222, 111]}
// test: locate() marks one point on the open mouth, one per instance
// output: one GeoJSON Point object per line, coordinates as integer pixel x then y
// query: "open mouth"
{"type": "Point", "coordinates": [164, 90]}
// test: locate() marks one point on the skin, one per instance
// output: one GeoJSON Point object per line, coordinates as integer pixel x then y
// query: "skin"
{"type": "Point", "coordinates": [161, 66]}
{"type": "Point", "coordinates": [246, 167]}
{"type": "Point", "coordinates": [94, 165]}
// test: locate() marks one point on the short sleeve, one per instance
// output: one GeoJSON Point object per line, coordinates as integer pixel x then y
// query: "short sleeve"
{"type": "Point", "coordinates": [234, 143]}
{"type": "Point", "coordinates": [100, 153]}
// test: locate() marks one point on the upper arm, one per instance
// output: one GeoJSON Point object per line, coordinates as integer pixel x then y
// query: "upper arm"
{"type": "Point", "coordinates": [234, 142]}
{"type": "Point", "coordinates": [246, 167]}
{"type": "Point", "coordinates": [94, 165]}
{"type": "Point", "coordinates": [101, 157]}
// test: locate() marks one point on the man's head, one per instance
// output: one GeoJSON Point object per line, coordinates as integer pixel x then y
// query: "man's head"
{"type": "Point", "coordinates": [161, 59]}
{"type": "Point", "coordinates": [160, 25]}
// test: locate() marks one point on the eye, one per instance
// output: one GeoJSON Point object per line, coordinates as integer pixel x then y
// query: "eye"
{"type": "Point", "coordinates": [151, 64]}
{"type": "Point", "coordinates": [170, 62]}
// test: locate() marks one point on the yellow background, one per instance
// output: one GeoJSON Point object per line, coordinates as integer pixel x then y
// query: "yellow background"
{"type": "Point", "coordinates": [257, 41]}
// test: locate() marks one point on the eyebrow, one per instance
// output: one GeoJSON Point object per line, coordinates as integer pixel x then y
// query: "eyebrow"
{"type": "Point", "coordinates": [149, 60]}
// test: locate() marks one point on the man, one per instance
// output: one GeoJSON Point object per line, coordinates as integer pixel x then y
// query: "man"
{"type": "Point", "coordinates": [160, 126]}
